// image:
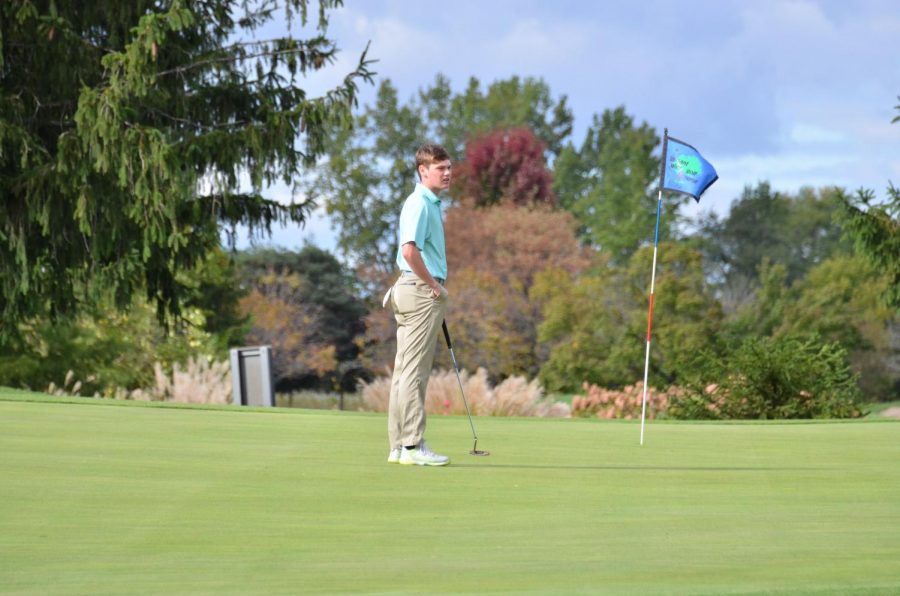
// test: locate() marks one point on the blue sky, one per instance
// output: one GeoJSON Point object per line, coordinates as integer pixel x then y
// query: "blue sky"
{"type": "Point", "coordinates": [795, 92]}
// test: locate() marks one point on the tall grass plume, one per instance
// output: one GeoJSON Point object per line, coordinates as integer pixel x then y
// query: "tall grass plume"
{"type": "Point", "coordinates": [515, 396]}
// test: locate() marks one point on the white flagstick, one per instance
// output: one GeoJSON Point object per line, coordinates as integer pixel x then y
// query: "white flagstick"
{"type": "Point", "coordinates": [650, 314]}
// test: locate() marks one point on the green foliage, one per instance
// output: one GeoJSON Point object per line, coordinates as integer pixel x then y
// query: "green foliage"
{"type": "Point", "coordinates": [609, 185]}
{"type": "Point", "coordinates": [763, 311]}
{"type": "Point", "coordinates": [838, 300]}
{"type": "Point", "coordinates": [506, 104]}
{"type": "Point", "coordinates": [594, 327]}
{"type": "Point", "coordinates": [107, 350]}
{"type": "Point", "coordinates": [770, 378]}
{"type": "Point", "coordinates": [125, 128]}
{"type": "Point", "coordinates": [792, 232]}
{"type": "Point", "coordinates": [370, 168]}
{"type": "Point", "coordinates": [875, 228]}
{"type": "Point", "coordinates": [212, 288]}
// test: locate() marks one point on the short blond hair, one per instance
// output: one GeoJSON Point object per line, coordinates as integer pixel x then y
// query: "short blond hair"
{"type": "Point", "coordinates": [430, 153]}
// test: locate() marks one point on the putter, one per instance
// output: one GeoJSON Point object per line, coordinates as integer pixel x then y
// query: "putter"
{"type": "Point", "coordinates": [475, 449]}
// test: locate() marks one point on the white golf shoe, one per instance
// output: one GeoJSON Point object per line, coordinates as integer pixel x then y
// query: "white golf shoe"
{"type": "Point", "coordinates": [394, 456]}
{"type": "Point", "coordinates": [422, 456]}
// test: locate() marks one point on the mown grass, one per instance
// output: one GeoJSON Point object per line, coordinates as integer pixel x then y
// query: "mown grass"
{"type": "Point", "coordinates": [99, 499]}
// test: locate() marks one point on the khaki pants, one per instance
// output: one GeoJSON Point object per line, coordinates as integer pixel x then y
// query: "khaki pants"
{"type": "Point", "coordinates": [419, 316]}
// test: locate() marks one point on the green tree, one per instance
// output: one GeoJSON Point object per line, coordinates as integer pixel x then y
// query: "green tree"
{"type": "Point", "coordinates": [794, 232]}
{"type": "Point", "coordinates": [841, 300]}
{"type": "Point", "coordinates": [771, 378]}
{"type": "Point", "coordinates": [594, 326]}
{"type": "Point", "coordinates": [510, 103]}
{"type": "Point", "coordinates": [126, 129]}
{"type": "Point", "coordinates": [106, 349]}
{"type": "Point", "coordinates": [369, 171]}
{"type": "Point", "coordinates": [213, 291]}
{"type": "Point", "coordinates": [608, 184]}
{"type": "Point", "coordinates": [875, 229]}
{"type": "Point", "coordinates": [837, 301]}
{"type": "Point", "coordinates": [368, 174]}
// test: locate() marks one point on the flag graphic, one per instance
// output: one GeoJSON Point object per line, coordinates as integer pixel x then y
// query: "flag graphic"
{"type": "Point", "coordinates": [685, 170]}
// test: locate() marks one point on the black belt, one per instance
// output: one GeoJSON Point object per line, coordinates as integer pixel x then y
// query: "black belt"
{"type": "Point", "coordinates": [440, 280]}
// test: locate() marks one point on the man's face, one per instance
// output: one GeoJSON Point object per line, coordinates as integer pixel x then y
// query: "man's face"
{"type": "Point", "coordinates": [436, 177]}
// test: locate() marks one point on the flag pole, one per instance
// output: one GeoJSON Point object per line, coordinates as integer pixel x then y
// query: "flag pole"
{"type": "Point", "coordinates": [653, 284]}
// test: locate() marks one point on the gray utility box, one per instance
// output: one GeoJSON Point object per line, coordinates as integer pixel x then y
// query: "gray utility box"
{"type": "Point", "coordinates": [251, 377]}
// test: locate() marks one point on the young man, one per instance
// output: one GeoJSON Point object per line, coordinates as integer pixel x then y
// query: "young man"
{"type": "Point", "coordinates": [418, 301]}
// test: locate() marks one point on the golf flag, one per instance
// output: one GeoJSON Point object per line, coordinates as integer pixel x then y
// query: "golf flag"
{"type": "Point", "coordinates": [684, 169]}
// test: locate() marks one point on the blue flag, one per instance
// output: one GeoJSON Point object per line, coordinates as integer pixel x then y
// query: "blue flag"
{"type": "Point", "coordinates": [684, 169]}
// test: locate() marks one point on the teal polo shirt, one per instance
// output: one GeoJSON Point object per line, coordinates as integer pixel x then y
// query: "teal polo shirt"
{"type": "Point", "coordinates": [421, 222]}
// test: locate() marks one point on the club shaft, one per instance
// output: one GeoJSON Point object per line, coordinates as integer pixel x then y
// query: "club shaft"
{"type": "Point", "coordinates": [463, 393]}
{"type": "Point", "coordinates": [459, 380]}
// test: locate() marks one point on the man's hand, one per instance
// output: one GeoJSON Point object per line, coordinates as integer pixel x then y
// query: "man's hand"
{"type": "Point", "coordinates": [413, 258]}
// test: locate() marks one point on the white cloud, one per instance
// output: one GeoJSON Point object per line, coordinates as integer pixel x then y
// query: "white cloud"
{"type": "Point", "coordinates": [539, 46]}
{"type": "Point", "coordinates": [810, 133]}
{"type": "Point", "coordinates": [796, 92]}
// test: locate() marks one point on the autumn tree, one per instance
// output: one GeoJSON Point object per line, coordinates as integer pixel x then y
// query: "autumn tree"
{"type": "Point", "coordinates": [128, 130]}
{"type": "Point", "coordinates": [505, 166]}
{"type": "Point", "coordinates": [494, 255]}
{"type": "Point", "coordinates": [292, 327]}
{"type": "Point", "coordinates": [513, 243]}
{"type": "Point", "coordinates": [369, 170]}
{"type": "Point", "coordinates": [306, 305]}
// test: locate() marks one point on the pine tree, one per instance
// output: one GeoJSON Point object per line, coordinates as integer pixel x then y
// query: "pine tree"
{"type": "Point", "coordinates": [126, 129]}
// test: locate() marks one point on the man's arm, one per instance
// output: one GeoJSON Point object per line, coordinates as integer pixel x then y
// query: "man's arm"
{"type": "Point", "coordinates": [413, 258]}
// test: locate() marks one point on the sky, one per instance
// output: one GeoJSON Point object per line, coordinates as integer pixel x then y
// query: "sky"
{"type": "Point", "coordinates": [793, 92]}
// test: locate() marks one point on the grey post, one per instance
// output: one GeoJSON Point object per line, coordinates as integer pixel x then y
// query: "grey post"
{"type": "Point", "coordinates": [251, 374]}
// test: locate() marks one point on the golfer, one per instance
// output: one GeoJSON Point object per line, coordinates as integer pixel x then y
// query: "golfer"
{"type": "Point", "coordinates": [418, 301]}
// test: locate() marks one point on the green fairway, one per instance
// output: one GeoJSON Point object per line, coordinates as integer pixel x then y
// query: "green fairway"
{"type": "Point", "coordinates": [122, 498]}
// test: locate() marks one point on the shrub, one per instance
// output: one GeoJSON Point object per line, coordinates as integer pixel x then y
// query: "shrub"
{"type": "Point", "coordinates": [771, 378]}
{"type": "Point", "coordinates": [623, 403]}
{"type": "Point", "coordinates": [199, 381]}
{"type": "Point", "coordinates": [108, 350]}
{"type": "Point", "coordinates": [515, 396]}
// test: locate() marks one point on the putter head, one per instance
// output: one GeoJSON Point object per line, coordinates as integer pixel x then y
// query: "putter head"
{"type": "Point", "coordinates": [477, 451]}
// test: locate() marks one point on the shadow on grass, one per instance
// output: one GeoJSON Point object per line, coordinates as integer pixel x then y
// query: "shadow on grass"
{"type": "Point", "coordinates": [641, 468]}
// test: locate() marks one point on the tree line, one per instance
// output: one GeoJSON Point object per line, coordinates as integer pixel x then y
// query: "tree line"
{"type": "Point", "coordinates": [121, 167]}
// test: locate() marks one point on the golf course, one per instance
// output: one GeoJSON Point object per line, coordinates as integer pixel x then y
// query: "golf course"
{"type": "Point", "coordinates": [103, 497]}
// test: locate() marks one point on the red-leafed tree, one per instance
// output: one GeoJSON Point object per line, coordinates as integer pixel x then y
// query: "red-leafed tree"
{"type": "Point", "coordinates": [505, 166]}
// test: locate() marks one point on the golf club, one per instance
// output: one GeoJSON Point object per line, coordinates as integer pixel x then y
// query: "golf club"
{"type": "Point", "coordinates": [475, 450]}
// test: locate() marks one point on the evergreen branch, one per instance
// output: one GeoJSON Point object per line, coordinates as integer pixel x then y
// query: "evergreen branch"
{"type": "Point", "coordinates": [319, 59]}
